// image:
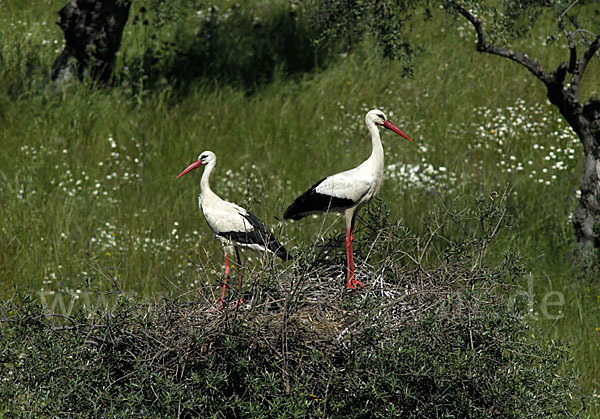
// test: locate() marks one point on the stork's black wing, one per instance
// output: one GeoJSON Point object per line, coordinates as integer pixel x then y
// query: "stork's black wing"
{"type": "Point", "coordinates": [258, 235]}
{"type": "Point", "coordinates": [311, 202]}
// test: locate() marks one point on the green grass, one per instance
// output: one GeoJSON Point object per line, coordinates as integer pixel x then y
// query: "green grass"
{"type": "Point", "coordinates": [88, 184]}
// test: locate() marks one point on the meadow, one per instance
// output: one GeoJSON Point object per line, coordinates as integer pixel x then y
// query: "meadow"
{"type": "Point", "coordinates": [90, 201]}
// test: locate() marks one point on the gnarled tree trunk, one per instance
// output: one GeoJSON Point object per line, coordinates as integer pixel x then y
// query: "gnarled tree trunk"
{"type": "Point", "coordinates": [93, 30]}
{"type": "Point", "coordinates": [584, 119]}
{"type": "Point", "coordinates": [586, 218]}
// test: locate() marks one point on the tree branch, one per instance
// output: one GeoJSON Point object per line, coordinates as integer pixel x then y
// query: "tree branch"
{"type": "Point", "coordinates": [533, 66]}
{"type": "Point", "coordinates": [572, 45]}
{"type": "Point", "coordinates": [571, 35]}
{"type": "Point", "coordinates": [577, 66]}
{"type": "Point", "coordinates": [566, 100]}
{"type": "Point", "coordinates": [583, 33]}
{"type": "Point", "coordinates": [569, 7]}
{"type": "Point", "coordinates": [586, 57]}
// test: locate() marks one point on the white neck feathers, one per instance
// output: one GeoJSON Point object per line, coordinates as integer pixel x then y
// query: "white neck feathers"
{"type": "Point", "coordinates": [377, 152]}
{"type": "Point", "coordinates": [204, 181]}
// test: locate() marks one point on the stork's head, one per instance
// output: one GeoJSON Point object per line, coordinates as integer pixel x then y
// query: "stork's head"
{"type": "Point", "coordinates": [206, 157]}
{"type": "Point", "coordinates": [378, 118]}
{"type": "Point", "coordinates": [375, 116]}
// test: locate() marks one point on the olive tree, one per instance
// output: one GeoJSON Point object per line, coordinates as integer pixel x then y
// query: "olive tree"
{"type": "Point", "coordinates": [494, 25]}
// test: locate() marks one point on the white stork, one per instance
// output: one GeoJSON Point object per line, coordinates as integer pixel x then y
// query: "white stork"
{"type": "Point", "coordinates": [348, 191]}
{"type": "Point", "coordinates": [232, 225]}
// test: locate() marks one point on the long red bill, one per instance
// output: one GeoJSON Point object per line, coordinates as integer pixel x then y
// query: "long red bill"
{"type": "Point", "coordinates": [389, 125]}
{"type": "Point", "coordinates": [190, 168]}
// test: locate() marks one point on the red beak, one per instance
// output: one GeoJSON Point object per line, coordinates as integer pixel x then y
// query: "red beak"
{"type": "Point", "coordinates": [190, 168]}
{"type": "Point", "coordinates": [389, 125]}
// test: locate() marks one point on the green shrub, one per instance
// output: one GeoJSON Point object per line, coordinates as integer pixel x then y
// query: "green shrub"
{"type": "Point", "coordinates": [182, 42]}
{"type": "Point", "coordinates": [429, 336]}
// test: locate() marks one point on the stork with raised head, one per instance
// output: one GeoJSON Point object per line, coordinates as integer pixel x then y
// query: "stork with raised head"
{"type": "Point", "coordinates": [233, 226]}
{"type": "Point", "coordinates": [348, 191]}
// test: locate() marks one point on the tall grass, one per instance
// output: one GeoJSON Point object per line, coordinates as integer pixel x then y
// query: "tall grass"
{"type": "Point", "coordinates": [88, 190]}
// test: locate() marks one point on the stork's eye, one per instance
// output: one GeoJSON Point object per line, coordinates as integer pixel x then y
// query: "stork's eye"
{"type": "Point", "coordinates": [381, 116]}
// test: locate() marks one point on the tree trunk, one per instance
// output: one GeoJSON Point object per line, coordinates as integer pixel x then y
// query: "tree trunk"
{"type": "Point", "coordinates": [93, 30]}
{"type": "Point", "coordinates": [586, 218]}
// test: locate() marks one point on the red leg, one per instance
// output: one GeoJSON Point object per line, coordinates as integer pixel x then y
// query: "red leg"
{"type": "Point", "coordinates": [227, 270]}
{"type": "Point", "coordinates": [352, 282]}
{"type": "Point", "coordinates": [349, 260]}
{"type": "Point", "coordinates": [239, 269]}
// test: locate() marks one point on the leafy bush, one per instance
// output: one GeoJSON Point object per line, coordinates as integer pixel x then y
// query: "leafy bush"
{"type": "Point", "coordinates": [433, 334]}
{"type": "Point", "coordinates": [182, 42]}
{"type": "Point", "coordinates": [346, 22]}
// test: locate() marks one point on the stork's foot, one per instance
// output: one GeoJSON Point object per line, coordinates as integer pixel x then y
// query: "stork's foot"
{"type": "Point", "coordinates": [238, 302]}
{"type": "Point", "coordinates": [220, 306]}
{"type": "Point", "coordinates": [354, 283]}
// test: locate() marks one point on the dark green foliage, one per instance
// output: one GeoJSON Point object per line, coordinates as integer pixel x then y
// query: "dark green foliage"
{"type": "Point", "coordinates": [236, 45]}
{"type": "Point", "coordinates": [507, 21]}
{"type": "Point", "coordinates": [346, 22]}
{"type": "Point", "coordinates": [429, 337]}
{"type": "Point", "coordinates": [510, 20]}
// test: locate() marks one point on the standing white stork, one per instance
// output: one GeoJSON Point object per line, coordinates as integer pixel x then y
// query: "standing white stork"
{"type": "Point", "coordinates": [232, 225]}
{"type": "Point", "coordinates": [348, 191]}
